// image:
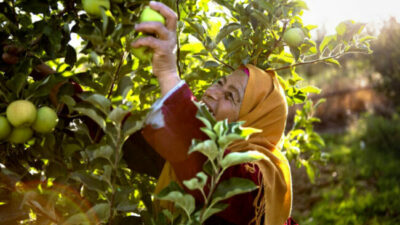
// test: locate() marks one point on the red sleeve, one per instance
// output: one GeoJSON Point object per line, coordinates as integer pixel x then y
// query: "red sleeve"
{"type": "Point", "coordinates": [173, 140]}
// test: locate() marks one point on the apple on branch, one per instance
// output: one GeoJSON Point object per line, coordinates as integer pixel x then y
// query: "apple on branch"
{"type": "Point", "coordinates": [93, 7]}
{"type": "Point", "coordinates": [20, 135]}
{"type": "Point", "coordinates": [5, 128]}
{"type": "Point", "coordinates": [46, 120]}
{"type": "Point", "coordinates": [294, 37]}
{"type": "Point", "coordinates": [21, 113]}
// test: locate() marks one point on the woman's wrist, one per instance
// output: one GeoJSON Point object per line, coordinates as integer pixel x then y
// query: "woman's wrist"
{"type": "Point", "coordinates": [168, 81]}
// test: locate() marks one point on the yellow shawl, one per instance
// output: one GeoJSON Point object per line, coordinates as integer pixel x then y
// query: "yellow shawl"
{"type": "Point", "coordinates": [263, 107]}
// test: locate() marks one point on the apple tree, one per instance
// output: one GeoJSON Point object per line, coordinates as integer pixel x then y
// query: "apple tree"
{"type": "Point", "coordinates": [73, 57]}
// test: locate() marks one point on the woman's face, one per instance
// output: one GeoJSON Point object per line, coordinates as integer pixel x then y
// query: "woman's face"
{"type": "Point", "coordinates": [224, 97]}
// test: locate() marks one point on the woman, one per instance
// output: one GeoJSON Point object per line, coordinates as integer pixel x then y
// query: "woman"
{"type": "Point", "coordinates": [249, 94]}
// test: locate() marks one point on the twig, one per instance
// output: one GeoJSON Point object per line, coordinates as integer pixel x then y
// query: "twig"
{"type": "Point", "coordinates": [14, 12]}
{"type": "Point", "coordinates": [276, 41]}
{"type": "Point", "coordinates": [113, 179]}
{"type": "Point", "coordinates": [116, 74]}
{"type": "Point", "coordinates": [315, 61]}
{"type": "Point", "coordinates": [215, 57]}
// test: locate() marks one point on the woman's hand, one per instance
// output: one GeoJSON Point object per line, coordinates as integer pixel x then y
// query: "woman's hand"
{"type": "Point", "coordinates": [163, 44]}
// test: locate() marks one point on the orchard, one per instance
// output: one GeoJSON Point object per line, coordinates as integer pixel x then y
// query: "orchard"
{"type": "Point", "coordinates": [73, 91]}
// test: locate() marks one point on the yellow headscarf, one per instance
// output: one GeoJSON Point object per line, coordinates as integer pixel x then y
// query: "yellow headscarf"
{"type": "Point", "coordinates": [263, 107]}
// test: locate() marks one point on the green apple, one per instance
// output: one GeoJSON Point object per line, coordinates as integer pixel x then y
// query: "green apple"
{"type": "Point", "coordinates": [147, 15]}
{"type": "Point", "coordinates": [150, 15]}
{"type": "Point", "coordinates": [46, 120]}
{"type": "Point", "coordinates": [294, 37]}
{"type": "Point", "coordinates": [93, 7]}
{"type": "Point", "coordinates": [21, 113]}
{"type": "Point", "coordinates": [5, 128]}
{"type": "Point", "coordinates": [142, 53]}
{"type": "Point", "coordinates": [20, 135]}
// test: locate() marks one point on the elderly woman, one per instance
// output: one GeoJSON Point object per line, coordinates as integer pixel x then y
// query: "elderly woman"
{"type": "Point", "coordinates": [248, 94]}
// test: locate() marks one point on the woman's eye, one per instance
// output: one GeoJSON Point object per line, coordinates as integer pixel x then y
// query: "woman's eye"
{"type": "Point", "coordinates": [229, 96]}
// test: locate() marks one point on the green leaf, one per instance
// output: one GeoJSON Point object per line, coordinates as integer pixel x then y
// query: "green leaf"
{"type": "Point", "coordinates": [90, 181]}
{"type": "Point", "coordinates": [131, 125]}
{"type": "Point", "coordinates": [213, 210]}
{"type": "Point", "coordinates": [295, 53]}
{"type": "Point", "coordinates": [246, 132]}
{"type": "Point", "coordinates": [311, 89]}
{"type": "Point", "coordinates": [183, 201]}
{"type": "Point", "coordinates": [91, 113]}
{"type": "Point", "coordinates": [211, 64]}
{"type": "Point", "coordinates": [367, 38]}
{"type": "Point", "coordinates": [117, 115]}
{"type": "Point", "coordinates": [104, 151]}
{"type": "Point", "coordinates": [197, 182]}
{"type": "Point", "coordinates": [210, 133]}
{"type": "Point", "coordinates": [332, 61]}
{"type": "Point", "coordinates": [235, 158]}
{"type": "Point", "coordinates": [226, 140]}
{"type": "Point", "coordinates": [199, 29]}
{"type": "Point", "coordinates": [70, 57]}
{"type": "Point", "coordinates": [99, 212]}
{"type": "Point", "coordinates": [310, 170]}
{"type": "Point", "coordinates": [124, 86]}
{"type": "Point", "coordinates": [326, 41]}
{"type": "Point", "coordinates": [98, 100]}
{"type": "Point", "coordinates": [70, 148]}
{"type": "Point", "coordinates": [220, 128]}
{"type": "Point", "coordinates": [127, 206]}
{"type": "Point", "coordinates": [232, 187]}
{"type": "Point", "coordinates": [204, 114]}
{"type": "Point", "coordinates": [300, 4]}
{"type": "Point", "coordinates": [207, 148]}
{"type": "Point", "coordinates": [78, 219]}
{"type": "Point", "coordinates": [227, 29]}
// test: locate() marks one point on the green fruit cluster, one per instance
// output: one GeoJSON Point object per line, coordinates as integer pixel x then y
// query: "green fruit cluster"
{"type": "Point", "coordinates": [22, 119]}
{"type": "Point", "coordinates": [147, 15]}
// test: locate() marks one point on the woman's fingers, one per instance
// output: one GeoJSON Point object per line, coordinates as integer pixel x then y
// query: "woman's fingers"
{"type": "Point", "coordinates": [168, 13]}
{"type": "Point", "coordinates": [148, 41]}
{"type": "Point", "coordinates": [153, 28]}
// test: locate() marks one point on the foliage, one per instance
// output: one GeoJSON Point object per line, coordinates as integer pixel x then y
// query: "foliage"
{"type": "Point", "coordinates": [366, 183]}
{"type": "Point", "coordinates": [385, 47]}
{"type": "Point", "coordinates": [208, 182]}
{"type": "Point", "coordinates": [76, 175]}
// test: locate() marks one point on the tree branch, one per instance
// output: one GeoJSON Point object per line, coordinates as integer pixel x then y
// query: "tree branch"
{"type": "Point", "coordinates": [276, 41]}
{"type": "Point", "coordinates": [216, 58]}
{"type": "Point", "coordinates": [315, 61]}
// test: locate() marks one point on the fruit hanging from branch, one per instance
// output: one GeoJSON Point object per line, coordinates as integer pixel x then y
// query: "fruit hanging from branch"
{"type": "Point", "coordinates": [294, 37]}
{"type": "Point", "coordinates": [20, 135]}
{"type": "Point", "coordinates": [5, 128]}
{"type": "Point", "coordinates": [21, 113]}
{"type": "Point", "coordinates": [46, 120]}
